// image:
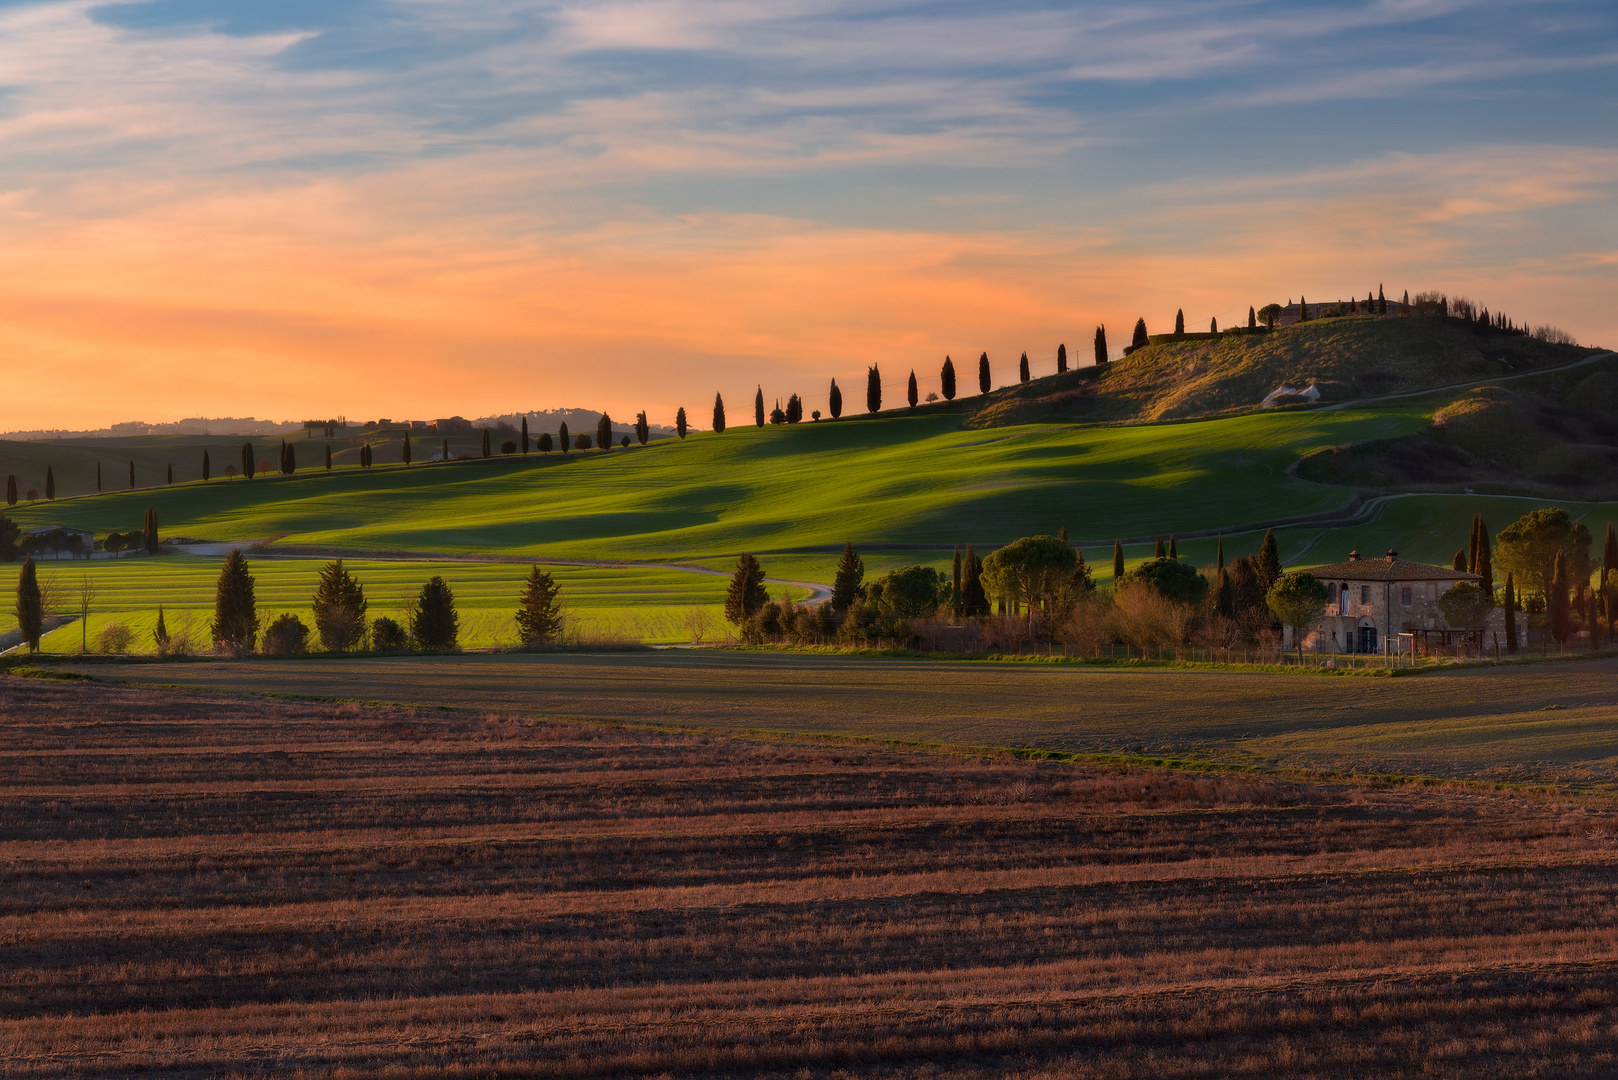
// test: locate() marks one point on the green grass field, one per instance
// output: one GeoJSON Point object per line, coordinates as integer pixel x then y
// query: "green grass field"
{"type": "Point", "coordinates": [624, 604]}
{"type": "Point", "coordinates": [1518, 723]}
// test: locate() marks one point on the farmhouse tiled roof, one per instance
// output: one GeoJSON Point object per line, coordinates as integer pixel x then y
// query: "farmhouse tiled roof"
{"type": "Point", "coordinates": [1389, 568]}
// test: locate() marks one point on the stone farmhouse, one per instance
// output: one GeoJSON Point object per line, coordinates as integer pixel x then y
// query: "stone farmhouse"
{"type": "Point", "coordinates": [1373, 601]}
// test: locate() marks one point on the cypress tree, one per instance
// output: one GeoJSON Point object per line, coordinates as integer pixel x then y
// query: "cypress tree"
{"type": "Point", "coordinates": [484, 446]}
{"type": "Point", "coordinates": [235, 610]}
{"type": "Point", "coordinates": [1556, 604]}
{"type": "Point", "coordinates": [339, 606]}
{"type": "Point", "coordinates": [983, 374]}
{"type": "Point", "coordinates": [149, 527]}
{"type": "Point", "coordinates": [604, 432]}
{"type": "Point", "coordinates": [247, 462]}
{"type": "Point", "coordinates": [718, 414]}
{"type": "Point", "coordinates": [1101, 346]}
{"type": "Point", "coordinates": [1511, 612]}
{"type": "Point", "coordinates": [1472, 547]}
{"type": "Point", "coordinates": [1303, 309]}
{"type": "Point", "coordinates": [1485, 568]}
{"type": "Point", "coordinates": [525, 434]}
{"type": "Point", "coordinates": [366, 456]}
{"type": "Point", "coordinates": [160, 633]}
{"type": "Point", "coordinates": [849, 583]}
{"type": "Point", "coordinates": [1022, 368]}
{"type": "Point", "coordinates": [98, 469]}
{"type": "Point", "coordinates": [539, 612]}
{"type": "Point", "coordinates": [680, 424]}
{"type": "Point", "coordinates": [291, 456]}
{"type": "Point", "coordinates": [328, 457]}
{"type": "Point", "coordinates": [910, 394]}
{"type": "Point", "coordinates": [758, 408]}
{"type": "Point", "coordinates": [834, 402]}
{"type": "Point", "coordinates": [955, 585]}
{"type": "Point", "coordinates": [1179, 321]}
{"type": "Point", "coordinates": [1458, 563]}
{"type": "Point", "coordinates": [1382, 301]}
{"type": "Point", "coordinates": [171, 474]}
{"type": "Point", "coordinates": [974, 600]}
{"type": "Point", "coordinates": [1061, 359]}
{"type": "Point", "coordinates": [132, 476]}
{"type": "Point", "coordinates": [30, 605]}
{"type": "Point", "coordinates": [1213, 325]}
{"type": "Point", "coordinates": [405, 448]}
{"type": "Point", "coordinates": [11, 489]}
{"type": "Point", "coordinates": [1219, 553]}
{"type": "Point", "coordinates": [207, 469]}
{"type": "Point", "coordinates": [1252, 318]}
{"type": "Point", "coordinates": [1267, 565]}
{"type": "Point", "coordinates": [1174, 549]}
{"type": "Point", "coordinates": [1609, 553]}
{"type": "Point", "coordinates": [434, 624]}
{"type": "Point", "coordinates": [873, 389]}
{"type": "Point", "coordinates": [946, 379]}
{"type": "Point", "coordinates": [746, 594]}
{"type": "Point", "coordinates": [1141, 336]}
{"type": "Point", "coordinates": [1159, 552]}
{"type": "Point", "coordinates": [562, 436]}
{"type": "Point", "coordinates": [50, 483]}
{"type": "Point", "coordinates": [1117, 561]}
{"type": "Point", "coordinates": [643, 429]}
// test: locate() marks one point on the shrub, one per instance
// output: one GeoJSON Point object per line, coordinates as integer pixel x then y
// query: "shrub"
{"type": "Point", "coordinates": [388, 636]}
{"type": "Point", "coordinates": [508, 447]}
{"type": "Point", "coordinates": [285, 635]}
{"type": "Point", "coordinates": [114, 638]}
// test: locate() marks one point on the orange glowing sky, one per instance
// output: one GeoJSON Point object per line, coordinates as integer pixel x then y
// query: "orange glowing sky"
{"type": "Point", "coordinates": [419, 209]}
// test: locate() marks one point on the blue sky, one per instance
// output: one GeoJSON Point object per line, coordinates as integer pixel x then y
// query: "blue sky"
{"type": "Point", "coordinates": [549, 196]}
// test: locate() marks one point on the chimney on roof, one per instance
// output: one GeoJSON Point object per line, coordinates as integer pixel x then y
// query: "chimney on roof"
{"type": "Point", "coordinates": [1392, 554]}
{"type": "Point", "coordinates": [1354, 556]}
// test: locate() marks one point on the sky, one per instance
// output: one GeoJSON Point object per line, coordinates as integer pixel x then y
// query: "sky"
{"type": "Point", "coordinates": [420, 208]}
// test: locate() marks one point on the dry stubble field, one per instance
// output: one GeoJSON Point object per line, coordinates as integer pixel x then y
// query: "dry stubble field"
{"type": "Point", "coordinates": [197, 885]}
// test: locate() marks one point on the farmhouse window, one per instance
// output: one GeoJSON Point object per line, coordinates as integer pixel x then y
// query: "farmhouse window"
{"type": "Point", "coordinates": [1404, 595]}
{"type": "Point", "coordinates": [1365, 594]}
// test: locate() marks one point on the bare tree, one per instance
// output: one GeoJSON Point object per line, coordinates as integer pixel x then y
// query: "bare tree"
{"type": "Point", "coordinates": [87, 594]}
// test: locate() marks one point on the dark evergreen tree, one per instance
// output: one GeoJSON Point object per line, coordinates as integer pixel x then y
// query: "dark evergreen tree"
{"type": "Point", "coordinates": [778, 415]}
{"type": "Point", "coordinates": [834, 403]}
{"type": "Point", "coordinates": [974, 598]}
{"type": "Point", "coordinates": [235, 610]}
{"type": "Point", "coordinates": [1174, 549]}
{"type": "Point", "coordinates": [794, 409]}
{"type": "Point", "coordinates": [405, 448]}
{"type": "Point", "coordinates": [1267, 565]}
{"type": "Point", "coordinates": [1141, 337]}
{"type": "Point", "coordinates": [204, 470]}
{"type": "Point", "coordinates": [1303, 309]}
{"type": "Point", "coordinates": [1022, 369]}
{"type": "Point", "coordinates": [149, 528]}
{"type": "Point", "coordinates": [681, 425]}
{"type": "Point", "coordinates": [160, 632]}
{"type": "Point", "coordinates": [434, 625]}
{"type": "Point", "coordinates": [11, 489]}
{"type": "Point", "coordinates": [1117, 561]}
{"type": "Point", "coordinates": [946, 379]}
{"type": "Point", "coordinates": [1510, 601]}
{"type": "Point", "coordinates": [50, 483]}
{"type": "Point", "coordinates": [539, 610]}
{"type": "Point", "coordinates": [955, 585]}
{"type": "Point", "coordinates": [1061, 534]}
{"type": "Point", "coordinates": [746, 594]}
{"type": "Point", "coordinates": [131, 476]}
{"type": "Point", "coordinates": [1252, 318]}
{"type": "Point", "coordinates": [604, 432]}
{"type": "Point", "coordinates": [1101, 346]}
{"type": "Point", "coordinates": [1219, 553]}
{"type": "Point", "coordinates": [873, 389]}
{"type": "Point", "coordinates": [281, 458]}
{"type": "Point", "coordinates": [624, 442]}
{"type": "Point", "coordinates": [1159, 552]}
{"type": "Point", "coordinates": [849, 583]}
{"type": "Point", "coordinates": [1179, 321]}
{"type": "Point", "coordinates": [328, 457]}
{"type": "Point", "coordinates": [1556, 601]}
{"type": "Point", "coordinates": [758, 408]}
{"type": "Point", "coordinates": [1382, 301]}
{"type": "Point", "coordinates": [525, 434]}
{"type": "Point", "coordinates": [983, 374]}
{"type": "Point", "coordinates": [911, 393]}
{"type": "Point", "coordinates": [291, 456]}
{"type": "Point", "coordinates": [207, 470]}
{"type": "Point", "coordinates": [30, 605]}
{"type": "Point", "coordinates": [1458, 564]}
{"type": "Point", "coordinates": [484, 447]}
{"type": "Point", "coordinates": [643, 428]}
{"type": "Point", "coordinates": [544, 442]}
{"type": "Point", "coordinates": [1213, 325]}
{"type": "Point", "coordinates": [339, 607]}
{"type": "Point", "coordinates": [562, 438]}
{"type": "Point", "coordinates": [718, 414]}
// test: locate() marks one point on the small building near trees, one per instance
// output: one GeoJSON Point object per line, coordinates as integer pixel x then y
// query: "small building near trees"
{"type": "Point", "coordinates": [1373, 601]}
